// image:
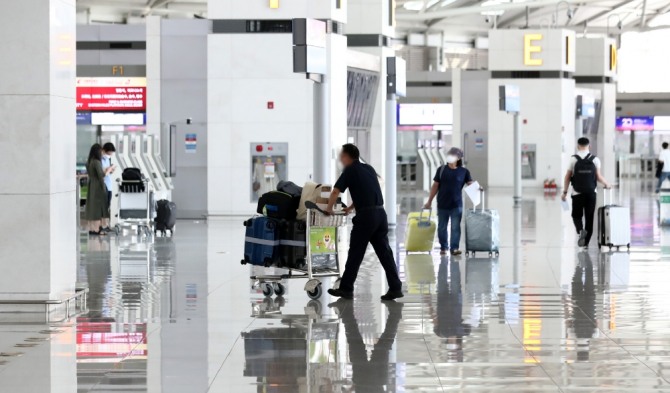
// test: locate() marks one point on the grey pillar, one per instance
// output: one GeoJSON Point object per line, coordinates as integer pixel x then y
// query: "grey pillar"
{"type": "Point", "coordinates": [391, 176]}
{"type": "Point", "coordinates": [322, 149]}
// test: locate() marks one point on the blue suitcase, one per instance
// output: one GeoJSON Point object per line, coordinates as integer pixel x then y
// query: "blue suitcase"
{"type": "Point", "coordinates": [261, 242]}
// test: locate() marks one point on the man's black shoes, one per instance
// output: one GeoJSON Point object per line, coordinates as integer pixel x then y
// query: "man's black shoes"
{"type": "Point", "coordinates": [392, 295]}
{"type": "Point", "coordinates": [340, 293]}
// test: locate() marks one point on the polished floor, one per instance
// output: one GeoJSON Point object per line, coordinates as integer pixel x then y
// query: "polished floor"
{"type": "Point", "coordinates": [179, 315]}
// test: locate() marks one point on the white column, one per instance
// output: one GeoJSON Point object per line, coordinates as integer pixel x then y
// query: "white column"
{"type": "Point", "coordinates": [37, 149]}
{"type": "Point", "coordinates": [372, 17]}
{"type": "Point", "coordinates": [153, 24]}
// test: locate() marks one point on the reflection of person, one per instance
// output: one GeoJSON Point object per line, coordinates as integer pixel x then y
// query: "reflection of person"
{"type": "Point", "coordinates": [370, 223]}
{"type": "Point", "coordinates": [370, 375]}
{"type": "Point", "coordinates": [97, 208]}
{"type": "Point", "coordinates": [584, 175]}
{"type": "Point", "coordinates": [108, 151]}
{"type": "Point", "coordinates": [449, 322]}
{"type": "Point", "coordinates": [448, 186]}
{"type": "Point", "coordinates": [583, 304]}
{"type": "Point", "coordinates": [664, 161]}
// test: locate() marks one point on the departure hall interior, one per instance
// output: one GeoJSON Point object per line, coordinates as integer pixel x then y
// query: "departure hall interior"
{"type": "Point", "coordinates": [293, 196]}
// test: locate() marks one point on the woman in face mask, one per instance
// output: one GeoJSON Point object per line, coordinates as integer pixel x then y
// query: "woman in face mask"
{"type": "Point", "coordinates": [448, 186]}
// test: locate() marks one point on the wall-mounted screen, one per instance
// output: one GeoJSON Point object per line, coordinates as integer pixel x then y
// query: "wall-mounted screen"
{"type": "Point", "coordinates": [635, 123]}
{"type": "Point", "coordinates": [111, 94]}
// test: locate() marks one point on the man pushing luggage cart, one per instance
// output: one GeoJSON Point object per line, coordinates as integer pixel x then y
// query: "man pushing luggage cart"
{"type": "Point", "coordinates": [370, 223]}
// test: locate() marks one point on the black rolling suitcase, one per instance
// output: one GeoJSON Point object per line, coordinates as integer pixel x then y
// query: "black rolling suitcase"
{"type": "Point", "coordinates": [279, 205]}
{"type": "Point", "coordinates": [166, 216]}
{"type": "Point", "coordinates": [292, 245]}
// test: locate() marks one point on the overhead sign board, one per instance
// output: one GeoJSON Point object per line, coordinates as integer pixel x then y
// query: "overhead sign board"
{"type": "Point", "coordinates": [309, 46]}
{"type": "Point", "coordinates": [118, 119]}
{"type": "Point", "coordinates": [111, 94]}
{"type": "Point", "coordinates": [396, 79]}
{"type": "Point", "coordinates": [530, 49]}
{"type": "Point", "coordinates": [635, 123]}
{"type": "Point", "coordinates": [425, 114]}
{"type": "Point", "coordinates": [509, 98]}
{"type": "Point", "coordinates": [586, 107]}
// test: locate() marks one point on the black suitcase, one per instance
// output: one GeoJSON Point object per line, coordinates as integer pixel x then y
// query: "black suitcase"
{"type": "Point", "coordinates": [166, 216]}
{"type": "Point", "coordinates": [279, 205]}
{"type": "Point", "coordinates": [292, 245]}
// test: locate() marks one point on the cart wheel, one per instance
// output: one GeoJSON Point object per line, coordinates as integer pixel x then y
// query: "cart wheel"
{"type": "Point", "coordinates": [497, 254]}
{"type": "Point", "coordinates": [316, 293]}
{"type": "Point", "coordinates": [617, 248]}
{"type": "Point", "coordinates": [280, 302]}
{"type": "Point", "coordinates": [628, 246]}
{"type": "Point", "coordinates": [315, 305]}
{"type": "Point", "coordinates": [279, 289]}
{"type": "Point", "coordinates": [267, 289]}
{"type": "Point", "coordinates": [117, 230]}
{"type": "Point", "coordinates": [490, 255]}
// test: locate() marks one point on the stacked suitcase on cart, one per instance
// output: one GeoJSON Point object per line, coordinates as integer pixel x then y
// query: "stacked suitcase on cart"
{"type": "Point", "coordinates": [277, 238]}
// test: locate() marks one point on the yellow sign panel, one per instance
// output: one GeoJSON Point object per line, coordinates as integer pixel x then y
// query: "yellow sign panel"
{"type": "Point", "coordinates": [274, 3]}
{"type": "Point", "coordinates": [529, 49]}
{"type": "Point", "coordinates": [613, 57]}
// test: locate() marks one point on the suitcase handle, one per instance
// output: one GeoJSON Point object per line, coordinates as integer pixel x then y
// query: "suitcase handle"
{"type": "Point", "coordinates": [481, 200]}
{"type": "Point", "coordinates": [610, 192]}
{"type": "Point", "coordinates": [430, 213]}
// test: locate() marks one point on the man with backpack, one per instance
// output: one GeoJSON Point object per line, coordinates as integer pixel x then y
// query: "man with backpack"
{"type": "Point", "coordinates": [584, 175]}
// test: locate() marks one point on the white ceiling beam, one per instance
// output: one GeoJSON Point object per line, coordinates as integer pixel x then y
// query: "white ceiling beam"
{"type": "Point", "coordinates": [460, 11]}
{"type": "Point", "coordinates": [660, 12]}
{"type": "Point", "coordinates": [602, 14]}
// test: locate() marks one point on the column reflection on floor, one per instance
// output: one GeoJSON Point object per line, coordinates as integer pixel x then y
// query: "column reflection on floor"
{"type": "Point", "coordinates": [542, 317]}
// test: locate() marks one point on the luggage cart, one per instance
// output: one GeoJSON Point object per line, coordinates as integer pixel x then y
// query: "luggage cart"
{"type": "Point", "coordinates": [298, 353]}
{"type": "Point", "coordinates": [322, 243]}
{"type": "Point", "coordinates": [135, 206]}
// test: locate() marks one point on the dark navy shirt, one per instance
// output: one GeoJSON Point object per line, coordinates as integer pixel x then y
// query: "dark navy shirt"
{"type": "Point", "coordinates": [452, 181]}
{"type": "Point", "coordinates": [363, 184]}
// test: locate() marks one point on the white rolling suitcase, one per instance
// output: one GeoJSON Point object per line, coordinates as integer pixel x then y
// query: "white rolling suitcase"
{"type": "Point", "coordinates": [613, 224]}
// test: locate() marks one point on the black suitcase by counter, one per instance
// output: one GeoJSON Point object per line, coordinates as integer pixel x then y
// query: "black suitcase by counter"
{"type": "Point", "coordinates": [279, 205]}
{"type": "Point", "coordinates": [292, 245]}
{"type": "Point", "coordinates": [166, 216]}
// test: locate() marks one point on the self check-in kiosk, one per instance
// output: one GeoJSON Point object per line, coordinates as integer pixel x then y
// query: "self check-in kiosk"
{"type": "Point", "coordinates": [137, 150]}
{"type": "Point", "coordinates": [423, 169]}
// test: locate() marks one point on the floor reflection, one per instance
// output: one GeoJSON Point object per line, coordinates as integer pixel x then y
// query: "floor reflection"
{"type": "Point", "coordinates": [176, 315]}
{"type": "Point", "coordinates": [583, 305]}
{"type": "Point", "coordinates": [449, 323]}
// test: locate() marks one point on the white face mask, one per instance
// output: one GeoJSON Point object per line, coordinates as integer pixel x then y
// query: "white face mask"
{"type": "Point", "coordinates": [452, 159]}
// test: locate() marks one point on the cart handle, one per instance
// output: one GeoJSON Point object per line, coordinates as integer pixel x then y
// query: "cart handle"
{"type": "Point", "coordinates": [314, 206]}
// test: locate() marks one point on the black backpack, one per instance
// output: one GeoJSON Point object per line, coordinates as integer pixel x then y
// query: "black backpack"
{"type": "Point", "coordinates": [132, 180]}
{"type": "Point", "coordinates": [584, 174]}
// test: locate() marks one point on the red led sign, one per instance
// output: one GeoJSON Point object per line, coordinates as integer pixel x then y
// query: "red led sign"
{"type": "Point", "coordinates": [110, 98]}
